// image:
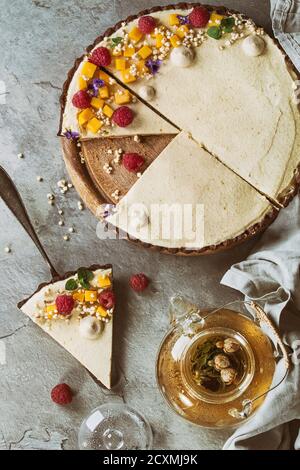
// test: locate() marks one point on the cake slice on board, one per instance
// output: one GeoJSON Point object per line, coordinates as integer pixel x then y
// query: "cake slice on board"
{"type": "Point", "coordinates": [77, 312]}
{"type": "Point", "coordinates": [186, 198]}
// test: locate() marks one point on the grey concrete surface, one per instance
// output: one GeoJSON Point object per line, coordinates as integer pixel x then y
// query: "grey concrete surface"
{"type": "Point", "coordinates": [39, 41]}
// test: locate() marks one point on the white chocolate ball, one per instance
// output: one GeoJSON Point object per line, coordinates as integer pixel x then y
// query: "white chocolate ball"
{"type": "Point", "coordinates": [147, 92]}
{"type": "Point", "coordinates": [90, 327]}
{"type": "Point", "coordinates": [138, 218]}
{"type": "Point", "coordinates": [182, 56]}
{"type": "Point", "coordinates": [253, 45]}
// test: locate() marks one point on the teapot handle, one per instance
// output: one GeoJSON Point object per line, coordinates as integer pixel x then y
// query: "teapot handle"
{"type": "Point", "coordinates": [247, 405]}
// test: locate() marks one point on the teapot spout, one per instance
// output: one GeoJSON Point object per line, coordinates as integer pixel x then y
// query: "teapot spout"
{"type": "Point", "coordinates": [181, 308]}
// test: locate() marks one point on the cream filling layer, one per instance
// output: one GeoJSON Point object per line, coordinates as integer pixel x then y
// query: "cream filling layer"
{"type": "Point", "coordinates": [95, 355]}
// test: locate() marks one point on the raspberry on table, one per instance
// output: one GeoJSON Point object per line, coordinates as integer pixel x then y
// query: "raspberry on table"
{"type": "Point", "coordinates": [133, 162]}
{"type": "Point", "coordinates": [139, 282]}
{"type": "Point", "coordinates": [62, 394]}
{"type": "Point", "coordinates": [199, 17]}
{"type": "Point", "coordinates": [100, 57]}
{"type": "Point", "coordinates": [81, 99]}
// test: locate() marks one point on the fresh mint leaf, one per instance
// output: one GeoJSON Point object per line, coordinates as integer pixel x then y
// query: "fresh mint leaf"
{"type": "Point", "coordinates": [71, 284]}
{"type": "Point", "coordinates": [227, 24]}
{"type": "Point", "coordinates": [214, 32]}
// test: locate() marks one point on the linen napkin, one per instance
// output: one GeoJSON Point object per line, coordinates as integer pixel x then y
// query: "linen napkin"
{"type": "Point", "coordinates": [274, 267]}
{"type": "Point", "coordinates": [286, 26]}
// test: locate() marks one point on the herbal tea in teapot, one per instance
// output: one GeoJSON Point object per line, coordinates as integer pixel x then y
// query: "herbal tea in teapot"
{"type": "Point", "coordinates": [215, 368]}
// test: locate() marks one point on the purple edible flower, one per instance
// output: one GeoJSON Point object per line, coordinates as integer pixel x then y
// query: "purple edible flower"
{"type": "Point", "coordinates": [71, 135]}
{"type": "Point", "coordinates": [95, 85]}
{"type": "Point", "coordinates": [183, 19]}
{"type": "Point", "coordinates": [153, 65]}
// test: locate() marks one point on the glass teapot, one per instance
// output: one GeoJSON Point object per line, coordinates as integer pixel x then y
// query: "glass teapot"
{"type": "Point", "coordinates": [215, 367]}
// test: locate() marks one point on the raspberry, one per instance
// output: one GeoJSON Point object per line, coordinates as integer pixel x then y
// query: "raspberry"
{"type": "Point", "coordinates": [123, 116]}
{"type": "Point", "coordinates": [146, 24]}
{"type": "Point", "coordinates": [133, 162]}
{"type": "Point", "coordinates": [139, 282]}
{"type": "Point", "coordinates": [81, 99]}
{"type": "Point", "coordinates": [107, 299]}
{"type": "Point", "coordinates": [101, 57]}
{"type": "Point", "coordinates": [199, 17]}
{"type": "Point", "coordinates": [61, 394]}
{"type": "Point", "coordinates": [65, 304]}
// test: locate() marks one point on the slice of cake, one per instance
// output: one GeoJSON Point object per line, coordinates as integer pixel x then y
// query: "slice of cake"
{"type": "Point", "coordinates": [77, 311]}
{"type": "Point", "coordinates": [186, 198]}
{"type": "Point", "coordinates": [97, 106]}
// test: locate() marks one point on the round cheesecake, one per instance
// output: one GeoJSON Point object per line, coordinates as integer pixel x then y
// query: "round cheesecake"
{"type": "Point", "coordinates": [186, 119]}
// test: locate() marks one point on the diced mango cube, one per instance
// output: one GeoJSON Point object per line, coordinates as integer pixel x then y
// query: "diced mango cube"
{"type": "Point", "coordinates": [108, 111]}
{"type": "Point", "coordinates": [215, 19]}
{"type": "Point", "coordinates": [94, 125]}
{"type": "Point", "coordinates": [104, 76]}
{"type": "Point", "coordinates": [104, 281]}
{"type": "Point", "coordinates": [174, 40]}
{"type": "Point", "coordinates": [159, 40]}
{"type": "Point", "coordinates": [144, 52]}
{"type": "Point", "coordinates": [128, 77]}
{"type": "Point", "coordinates": [82, 83]}
{"type": "Point", "coordinates": [51, 308]}
{"type": "Point", "coordinates": [135, 34]}
{"type": "Point", "coordinates": [122, 97]}
{"type": "Point", "coordinates": [78, 296]}
{"type": "Point", "coordinates": [120, 64]}
{"type": "Point", "coordinates": [116, 52]}
{"type": "Point", "coordinates": [97, 103]}
{"type": "Point", "coordinates": [90, 296]}
{"type": "Point", "coordinates": [129, 51]}
{"type": "Point", "coordinates": [173, 19]}
{"type": "Point", "coordinates": [102, 312]}
{"type": "Point", "coordinates": [85, 116]}
{"type": "Point", "coordinates": [182, 31]}
{"type": "Point", "coordinates": [104, 92]}
{"type": "Point", "coordinates": [141, 66]}
{"type": "Point", "coordinates": [88, 69]}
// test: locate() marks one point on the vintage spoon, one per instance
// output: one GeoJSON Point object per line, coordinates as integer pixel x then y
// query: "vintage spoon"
{"type": "Point", "coordinates": [13, 200]}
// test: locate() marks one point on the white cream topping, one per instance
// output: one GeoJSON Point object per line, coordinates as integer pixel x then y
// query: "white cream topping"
{"type": "Point", "coordinates": [147, 92]}
{"type": "Point", "coordinates": [90, 327]}
{"type": "Point", "coordinates": [182, 56]}
{"type": "Point", "coordinates": [138, 217]}
{"type": "Point", "coordinates": [253, 45]}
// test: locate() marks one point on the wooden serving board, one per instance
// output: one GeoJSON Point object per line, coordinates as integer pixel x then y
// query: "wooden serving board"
{"type": "Point", "coordinates": [94, 185]}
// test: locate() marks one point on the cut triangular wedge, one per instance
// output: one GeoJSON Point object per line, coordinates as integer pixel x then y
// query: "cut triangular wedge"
{"type": "Point", "coordinates": [97, 120]}
{"type": "Point", "coordinates": [89, 342]}
{"type": "Point", "coordinates": [187, 199]}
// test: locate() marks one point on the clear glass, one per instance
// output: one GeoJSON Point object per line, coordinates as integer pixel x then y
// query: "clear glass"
{"type": "Point", "coordinates": [115, 426]}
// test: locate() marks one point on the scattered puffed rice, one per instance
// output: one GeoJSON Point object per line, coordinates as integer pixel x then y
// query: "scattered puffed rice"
{"type": "Point", "coordinates": [7, 249]}
{"type": "Point", "coordinates": [39, 178]}
{"type": "Point", "coordinates": [20, 155]}
{"type": "Point", "coordinates": [66, 238]}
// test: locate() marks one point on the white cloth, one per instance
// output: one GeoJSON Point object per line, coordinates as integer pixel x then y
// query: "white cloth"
{"type": "Point", "coordinates": [286, 26]}
{"type": "Point", "coordinates": [274, 266]}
